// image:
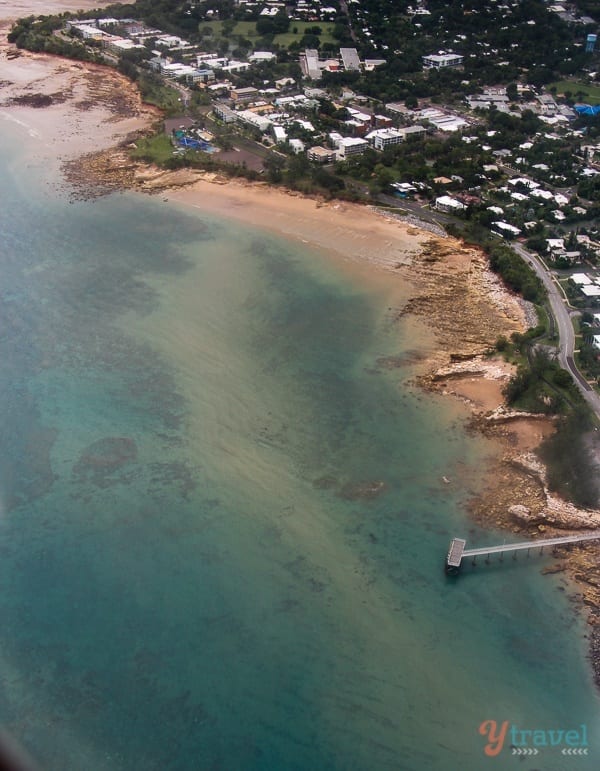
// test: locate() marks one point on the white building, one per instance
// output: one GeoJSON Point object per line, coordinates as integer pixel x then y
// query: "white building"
{"type": "Point", "coordinates": [320, 154]}
{"type": "Point", "coordinates": [438, 61]}
{"type": "Point", "coordinates": [279, 134]}
{"type": "Point", "coordinates": [348, 146]}
{"type": "Point", "coordinates": [262, 56]}
{"type": "Point", "coordinates": [309, 64]}
{"type": "Point", "coordinates": [177, 70]}
{"type": "Point", "coordinates": [525, 181]}
{"type": "Point", "coordinates": [357, 115]}
{"type": "Point", "coordinates": [447, 204]}
{"type": "Point", "coordinates": [591, 290]}
{"type": "Point", "coordinates": [226, 114]}
{"type": "Point", "coordinates": [171, 41]}
{"type": "Point", "coordinates": [247, 94]}
{"type": "Point", "coordinates": [252, 119]}
{"type": "Point", "coordinates": [89, 31]}
{"type": "Point", "coordinates": [555, 244]}
{"type": "Point", "coordinates": [581, 279]}
{"type": "Point", "coordinates": [544, 195]}
{"type": "Point", "coordinates": [404, 188]}
{"type": "Point", "coordinates": [284, 82]}
{"type": "Point", "coordinates": [449, 123]}
{"type": "Point", "coordinates": [386, 137]}
{"type": "Point", "coordinates": [350, 59]}
{"type": "Point", "coordinates": [507, 230]}
{"type": "Point", "coordinates": [119, 45]}
{"type": "Point", "coordinates": [235, 66]}
{"type": "Point", "coordinates": [335, 138]}
{"type": "Point", "coordinates": [298, 100]}
{"type": "Point", "coordinates": [297, 145]}
{"type": "Point", "coordinates": [372, 64]}
{"type": "Point", "coordinates": [212, 61]}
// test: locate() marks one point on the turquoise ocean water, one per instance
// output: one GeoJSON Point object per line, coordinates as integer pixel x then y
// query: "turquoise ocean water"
{"type": "Point", "coordinates": [194, 571]}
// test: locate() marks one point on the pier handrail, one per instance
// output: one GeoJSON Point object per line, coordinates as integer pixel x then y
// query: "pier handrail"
{"type": "Point", "coordinates": [532, 544]}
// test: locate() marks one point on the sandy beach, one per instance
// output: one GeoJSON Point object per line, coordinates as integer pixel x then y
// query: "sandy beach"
{"type": "Point", "coordinates": [449, 285]}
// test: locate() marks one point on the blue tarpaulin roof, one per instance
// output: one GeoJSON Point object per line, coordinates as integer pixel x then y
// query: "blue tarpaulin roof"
{"type": "Point", "coordinates": [587, 109]}
{"type": "Point", "coordinates": [193, 144]}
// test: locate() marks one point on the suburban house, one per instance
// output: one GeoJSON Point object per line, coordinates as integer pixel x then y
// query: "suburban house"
{"type": "Point", "coordinates": [448, 204]}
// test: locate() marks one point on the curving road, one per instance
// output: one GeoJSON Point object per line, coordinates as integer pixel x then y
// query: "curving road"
{"type": "Point", "coordinates": [564, 326]}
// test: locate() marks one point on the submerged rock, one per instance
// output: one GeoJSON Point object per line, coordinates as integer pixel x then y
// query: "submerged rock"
{"type": "Point", "coordinates": [100, 461]}
{"type": "Point", "coordinates": [353, 491]}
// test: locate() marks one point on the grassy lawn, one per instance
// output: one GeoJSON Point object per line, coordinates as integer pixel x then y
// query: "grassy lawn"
{"type": "Point", "coordinates": [156, 149]}
{"type": "Point", "coordinates": [544, 321]}
{"type": "Point", "coordinates": [165, 97]}
{"type": "Point", "coordinates": [591, 92]}
{"type": "Point", "coordinates": [247, 29]}
{"type": "Point", "coordinates": [289, 37]}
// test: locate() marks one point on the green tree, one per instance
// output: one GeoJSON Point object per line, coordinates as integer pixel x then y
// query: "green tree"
{"type": "Point", "coordinates": [273, 165]}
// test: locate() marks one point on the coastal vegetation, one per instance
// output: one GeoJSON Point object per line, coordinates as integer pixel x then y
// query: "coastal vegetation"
{"type": "Point", "coordinates": [571, 471]}
{"type": "Point", "coordinates": [540, 385]}
{"type": "Point", "coordinates": [37, 35]}
{"type": "Point", "coordinates": [154, 91]}
{"type": "Point", "coordinates": [515, 272]}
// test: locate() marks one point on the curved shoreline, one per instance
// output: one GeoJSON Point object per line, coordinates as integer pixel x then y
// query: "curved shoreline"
{"type": "Point", "coordinates": [443, 274]}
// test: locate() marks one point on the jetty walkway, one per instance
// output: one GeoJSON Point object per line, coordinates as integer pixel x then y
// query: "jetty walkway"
{"type": "Point", "coordinates": [457, 551]}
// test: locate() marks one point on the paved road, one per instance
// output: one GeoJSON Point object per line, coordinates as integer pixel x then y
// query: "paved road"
{"type": "Point", "coordinates": [564, 325]}
{"type": "Point", "coordinates": [344, 7]}
{"type": "Point", "coordinates": [424, 213]}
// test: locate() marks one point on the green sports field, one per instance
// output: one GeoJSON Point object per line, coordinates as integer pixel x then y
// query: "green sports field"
{"type": "Point", "coordinates": [247, 29]}
{"type": "Point", "coordinates": [585, 92]}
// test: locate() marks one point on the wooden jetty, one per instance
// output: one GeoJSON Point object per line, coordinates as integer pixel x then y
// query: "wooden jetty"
{"type": "Point", "coordinates": [457, 551]}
